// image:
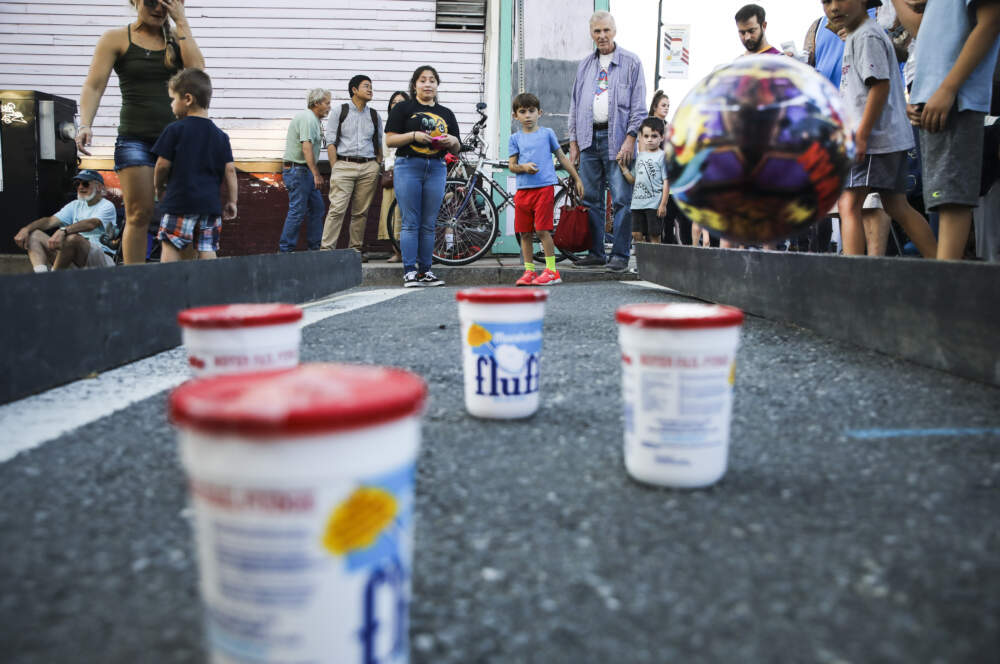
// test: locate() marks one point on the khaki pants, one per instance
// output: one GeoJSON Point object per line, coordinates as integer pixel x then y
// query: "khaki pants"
{"type": "Point", "coordinates": [347, 178]}
{"type": "Point", "coordinates": [388, 196]}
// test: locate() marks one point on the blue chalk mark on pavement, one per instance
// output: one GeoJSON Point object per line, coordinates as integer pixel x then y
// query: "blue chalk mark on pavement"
{"type": "Point", "coordinates": [875, 434]}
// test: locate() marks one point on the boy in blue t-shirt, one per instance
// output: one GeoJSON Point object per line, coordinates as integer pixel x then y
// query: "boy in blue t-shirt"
{"type": "Point", "coordinates": [650, 188]}
{"type": "Point", "coordinates": [531, 151]}
{"type": "Point", "coordinates": [193, 159]}
{"type": "Point", "coordinates": [871, 87]}
{"type": "Point", "coordinates": [956, 53]}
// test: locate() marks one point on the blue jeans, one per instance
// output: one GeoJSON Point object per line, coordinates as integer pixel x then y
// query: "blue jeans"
{"type": "Point", "coordinates": [305, 201]}
{"type": "Point", "coordinates": [597, 172]}
{"type": "Point", "coordinates": [419, 187]}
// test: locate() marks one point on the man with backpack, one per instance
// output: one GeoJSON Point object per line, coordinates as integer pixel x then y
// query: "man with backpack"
{"type": "Point", "coordinates": [354, 144]}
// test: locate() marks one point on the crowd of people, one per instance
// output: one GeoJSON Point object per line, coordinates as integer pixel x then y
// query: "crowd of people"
{"type": "Point", "coordinates": [919, 114]}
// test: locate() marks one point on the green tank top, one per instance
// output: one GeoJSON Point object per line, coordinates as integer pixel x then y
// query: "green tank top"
{"type": "Point", "coordinates": [143, 77]}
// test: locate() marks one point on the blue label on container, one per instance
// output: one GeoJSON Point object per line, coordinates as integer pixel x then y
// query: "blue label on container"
{"type": "Point", "coordinates": [506, 358]}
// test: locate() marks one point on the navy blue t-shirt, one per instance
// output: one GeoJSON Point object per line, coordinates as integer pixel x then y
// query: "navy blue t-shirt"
{"type": "Point", "coordinates": [199, 152]}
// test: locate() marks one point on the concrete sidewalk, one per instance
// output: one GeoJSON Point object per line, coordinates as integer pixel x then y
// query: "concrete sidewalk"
{"type": "Point", "coordinates": [502, 270]}
{"type": "Point", "coordinates": [487, 271]}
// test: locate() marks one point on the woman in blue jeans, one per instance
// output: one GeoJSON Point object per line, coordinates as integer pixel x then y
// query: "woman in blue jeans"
{"type": "Point", "coordinates": [422, 131]}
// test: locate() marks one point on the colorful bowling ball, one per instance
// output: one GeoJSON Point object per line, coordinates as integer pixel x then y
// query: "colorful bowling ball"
{"type": "Point", "coordinates": [759, 149]}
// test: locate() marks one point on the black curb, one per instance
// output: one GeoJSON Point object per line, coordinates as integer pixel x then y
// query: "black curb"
{"type": "Point", "coordinates": [941, 314]}
{"type": "Point", "coordinates": [62, 326]}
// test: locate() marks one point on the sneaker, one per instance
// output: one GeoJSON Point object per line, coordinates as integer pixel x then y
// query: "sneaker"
{"type": "Point", "coordinates": [527, 279]}
{"type": "Point", "coordinates": [548, 278]}
{"type": "Point", "coordinates": [617, 264]}
{"type": "Point", "coordinates": [410, 280]}
{"type": "Point", "coordinates": [590, 261]}
{"type": "Point", "coordinates": [428, 279]}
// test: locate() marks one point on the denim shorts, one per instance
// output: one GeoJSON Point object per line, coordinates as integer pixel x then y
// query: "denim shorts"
{"type": "Point", "coordinates": [131, 151]}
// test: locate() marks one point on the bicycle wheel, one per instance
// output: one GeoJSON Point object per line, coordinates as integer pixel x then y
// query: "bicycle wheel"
{"type": "Point", "coordinates": [393, 224]}
{"type": "Point", "coordinates": [466, 224]}
{"type": "Point", "coordinates": [560, 199]}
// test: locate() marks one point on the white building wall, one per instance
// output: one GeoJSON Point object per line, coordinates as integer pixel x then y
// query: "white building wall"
{"type": "Point", "coordinates": [262, 55]}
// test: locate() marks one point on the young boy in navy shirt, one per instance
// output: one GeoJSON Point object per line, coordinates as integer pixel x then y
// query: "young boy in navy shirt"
{"type": "Point", "coordinates": [193, 159]}
{"type": "Point", "coordinates": [531, 151]}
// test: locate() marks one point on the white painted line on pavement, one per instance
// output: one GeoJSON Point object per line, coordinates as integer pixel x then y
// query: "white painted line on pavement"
{"type": "Point", "coordinates": [34, 420]}
{"type": "Point", "coordinates": [649, 284]}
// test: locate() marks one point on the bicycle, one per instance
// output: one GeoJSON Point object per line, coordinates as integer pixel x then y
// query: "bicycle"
{"type": "Point", "coordinates": [468, 221]}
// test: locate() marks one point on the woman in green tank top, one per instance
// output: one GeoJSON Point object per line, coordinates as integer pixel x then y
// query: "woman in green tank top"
{"type": "Point", "coordinates": [144, 54]}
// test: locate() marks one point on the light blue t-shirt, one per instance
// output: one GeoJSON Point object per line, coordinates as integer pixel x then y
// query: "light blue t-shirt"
{"type": "Point", "coordinates": [830, 51]}
{"type": "Point", "coordinates": [936, 52]}
{"type": "Point", "coordinates": [649, 171]}
{"type": "Point", "coordinates": [537, 147]}
{"type": "Point", "coordinates": [78, 210]}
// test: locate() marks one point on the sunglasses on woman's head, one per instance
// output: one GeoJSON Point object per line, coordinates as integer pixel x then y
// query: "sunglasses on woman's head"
{"type": "Point", "coordinates": [151, 4]}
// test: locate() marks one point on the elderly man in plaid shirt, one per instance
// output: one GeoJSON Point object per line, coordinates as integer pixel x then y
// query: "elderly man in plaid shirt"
{"type": "Point", "coordinates": [608, 104]}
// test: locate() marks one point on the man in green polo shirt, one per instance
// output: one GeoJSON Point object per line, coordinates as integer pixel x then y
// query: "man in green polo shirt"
{"type": "Point", "coordinates": [301, 175]}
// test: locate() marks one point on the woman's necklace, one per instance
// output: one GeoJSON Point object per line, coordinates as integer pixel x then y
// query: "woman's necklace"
{"type": "Point", "coordinates": [148, 52]}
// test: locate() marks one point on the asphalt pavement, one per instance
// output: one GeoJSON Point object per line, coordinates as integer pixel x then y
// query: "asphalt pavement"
{"type": "Point", "coordinates": [857, 521]}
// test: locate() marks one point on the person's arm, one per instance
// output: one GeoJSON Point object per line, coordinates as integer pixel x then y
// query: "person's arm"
{"type": "Point", "coordinates": [190, 53]}
{"type": "Point", "coordinates": [878, 95]}
{"type": "Point", "coordinates": [637, 113]}
{"type": "Point", "coordinates": [332, 128]}
{"type": "Point", "coordinates": [574, 147]}
{"type": "Point", "coordinates": [527, 168]}
{"type": "Point", "coordinates": [661, 209]}
{"type": "Point", "coordinates": [40, 224]}
{"type": "Point", "coordinates": [310, 156]}
{"type": "Point", "coordinates": [452, 143]}
{"type": "Point", "coordinates": [979, 42]}
{"type": "Point", "coordinates": [232, 190]}
{"type": "Point", "coordinates": [61, 235]}
{"type": "Point", "coordinates": [410, 137]}
{"type": "Point", "coordinates": [909, 17]}
{"type": "Point", "coordinates": [452, 140]}
{"type": "Point", "coordinates": [81, 226]}
{"type": "Point", "coordinates": [380, 131]}
{"type": "Point", "coordinates": [93, 87]}
{"type": "Point", "coordinates": [626, 173]}
{"type": "Point", "coordinates": [161, 174]}
{"type": "Point", "coordinates": [567, 165]}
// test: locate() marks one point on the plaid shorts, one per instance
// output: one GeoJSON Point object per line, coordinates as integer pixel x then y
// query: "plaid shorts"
{"type": "Point", "coordinates": [180, 230]}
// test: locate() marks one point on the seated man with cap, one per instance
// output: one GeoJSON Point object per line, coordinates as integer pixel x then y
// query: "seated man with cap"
{"type": "Point", "coordinates": [81, 226]}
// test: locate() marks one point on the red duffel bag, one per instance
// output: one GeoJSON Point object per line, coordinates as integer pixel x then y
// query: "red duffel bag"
{"type": "Point", "coordinates": [573, 230]}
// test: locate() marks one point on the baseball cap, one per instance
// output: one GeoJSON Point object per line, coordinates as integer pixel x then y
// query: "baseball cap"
{"type": "Point", "coordinates": [89, 175]}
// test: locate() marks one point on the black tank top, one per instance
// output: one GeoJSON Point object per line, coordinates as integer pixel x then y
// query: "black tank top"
{"type": "Point", "coordinates": [142, 77]}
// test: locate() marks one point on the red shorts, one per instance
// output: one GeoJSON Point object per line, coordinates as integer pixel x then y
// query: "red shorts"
{"type": "Point", "coordinates": [533, 209]}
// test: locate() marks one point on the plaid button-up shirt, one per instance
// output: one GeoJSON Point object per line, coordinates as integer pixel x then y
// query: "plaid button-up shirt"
{"type": "Point", "coordinates": [626, 103]}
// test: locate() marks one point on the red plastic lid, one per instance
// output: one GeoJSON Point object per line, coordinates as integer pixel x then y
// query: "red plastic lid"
{"type": "Point", "coordinates": [501, 295]}
{"type": "Point", "coordinates": [679, 315]}
{"type": "Point", "coordinates": [309, 399]}
{"type": "Point", "coordinates": [239, 315]}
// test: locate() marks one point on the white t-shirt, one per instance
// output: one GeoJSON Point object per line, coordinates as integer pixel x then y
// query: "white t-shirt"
{"type": "Point", "coordinates": [78, 210]}
{"type": "Point", "coordinates": [601, 92]}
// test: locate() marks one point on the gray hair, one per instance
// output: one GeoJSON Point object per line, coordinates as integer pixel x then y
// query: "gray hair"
{"type": "Point", "coordinates": [602, 16]}
{"type": "Point", "coordinates": [316, 96]}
